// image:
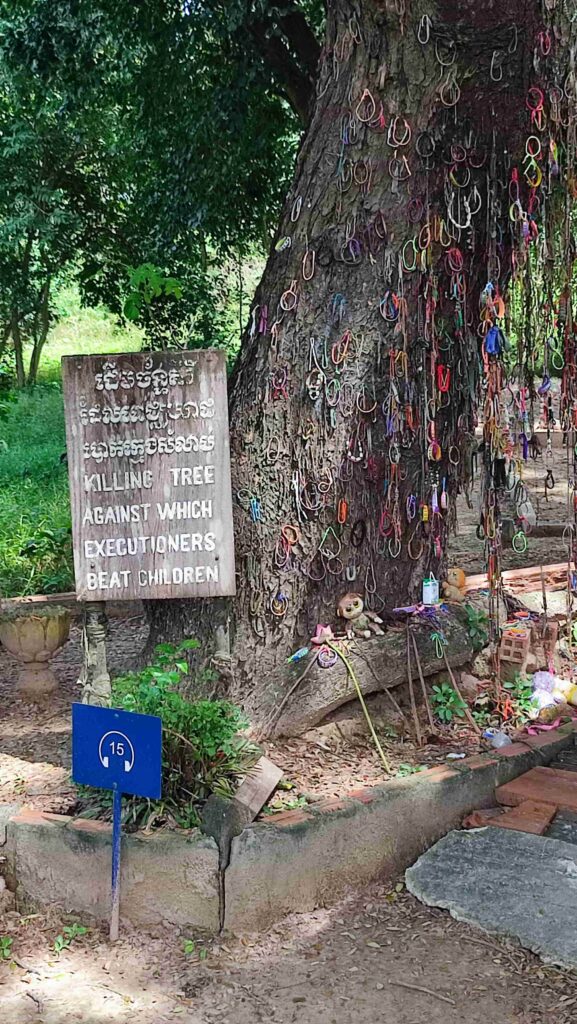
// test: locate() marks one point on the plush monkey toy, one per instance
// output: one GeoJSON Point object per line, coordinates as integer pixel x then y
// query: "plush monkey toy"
{"type": "Point", "coordinates": [359, 622]}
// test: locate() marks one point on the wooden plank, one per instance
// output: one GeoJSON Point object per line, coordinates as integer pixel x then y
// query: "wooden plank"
{"type": "Point", "coordinates": [256, 788]}
{"type": "Point", "coordinates": [519, 579]}
{"type": "Point", "coordinates": [149, 467]}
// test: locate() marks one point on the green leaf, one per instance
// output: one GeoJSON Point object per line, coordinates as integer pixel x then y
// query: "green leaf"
{"type": "Point", "coordinates": [133, 306]}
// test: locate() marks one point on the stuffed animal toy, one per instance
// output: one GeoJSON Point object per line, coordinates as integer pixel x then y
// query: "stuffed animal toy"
{"type": "Point", "coordinates": [564, 692]}
{"type": "Point", "coordinates": [359, 622]}
{"type": "Point", "coordinates": [454, 586]}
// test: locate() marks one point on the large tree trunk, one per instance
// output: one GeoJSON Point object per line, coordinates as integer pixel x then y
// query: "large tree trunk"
{"type": "Point", "coordinates": [354, 400]}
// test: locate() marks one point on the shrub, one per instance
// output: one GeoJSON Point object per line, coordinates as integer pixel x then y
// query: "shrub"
{"type": "Point", "coordinates": [520, 692]}
{"type": "Point", "coordinates": [477, 627]}
{"type": "Point", "coordinates": [202, 751]}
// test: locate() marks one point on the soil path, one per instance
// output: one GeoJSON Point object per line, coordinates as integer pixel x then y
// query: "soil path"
{"type": "Point", "coordinates": [467, 551]}
{"type": "Point", "coordinates": [35, 738]}
{"type": "Point", "coordinates": [378, 957]}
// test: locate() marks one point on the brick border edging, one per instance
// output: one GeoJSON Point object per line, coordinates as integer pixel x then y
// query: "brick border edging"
{"type": "Point", "coordinates": [298, 860]}
{"type": "Point", "coordinates": [366, 794]}
{"type": "Point", "coordinates": [293, 861]}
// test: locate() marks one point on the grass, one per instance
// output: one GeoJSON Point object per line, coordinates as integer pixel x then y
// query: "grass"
{"type": "Point", "coordinates": [83, 332]}
{"type": "Point", "coordinates": [35, 546]}
{"type": "Point", "coordinates": [34, 503]}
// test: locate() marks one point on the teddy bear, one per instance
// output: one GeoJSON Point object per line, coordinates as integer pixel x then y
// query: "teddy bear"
{"type": "Point", "coordinates": [359, 622]}
{"type": "Point", "coordinates": [454, 586]}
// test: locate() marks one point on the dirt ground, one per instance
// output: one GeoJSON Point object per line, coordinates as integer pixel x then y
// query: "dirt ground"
{"type": "Point", "coordinates": [329, 761]}
{"type": "Point", "coordinates": [466, 551]}
{"type": "Point", "coordinates": [35, 739]}
{"type": "Point", "coordinates": [325, 764]}
{"type": "Point", "coordinates": [377, 957]}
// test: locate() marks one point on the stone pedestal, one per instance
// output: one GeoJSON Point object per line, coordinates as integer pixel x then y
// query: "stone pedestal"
{"type": "Point", "coordinates": [33, 637]}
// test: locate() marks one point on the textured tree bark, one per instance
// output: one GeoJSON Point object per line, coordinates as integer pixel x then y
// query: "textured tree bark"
{"type": "Point", "coordinates": [18, 349]}
{"type": "Point", "coordinates": [354, 400]}
{"type": "Point", "coordinates": [379, 663]}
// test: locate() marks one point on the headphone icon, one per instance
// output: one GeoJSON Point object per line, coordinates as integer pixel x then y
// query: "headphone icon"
{"type": "Point", "coordinates": [124, 748]}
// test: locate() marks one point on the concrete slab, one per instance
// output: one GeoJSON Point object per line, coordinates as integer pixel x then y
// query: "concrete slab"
{"type": "Point", "coordinates": [506, 883]}
{"type": "Point", "coordinates": [564, 826]}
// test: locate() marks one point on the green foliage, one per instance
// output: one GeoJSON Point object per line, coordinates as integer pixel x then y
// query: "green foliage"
{"type": "Point", "coordinates": [146, 284]}
{"type": "Point", "coordinates": [279, 804]}
{"type": "Point", "coordinates": [488, 710]}
{"type": "Point", "coordinates": [153, 135]}
{"type": "Point", "coordinates": [481, 715]}
{"type": "Point", "coordinates": [189, 946]}
{"type": "Point", "coordinates": [80, 331]}
{"type": "Point", "coordinates": [6, 943]}
{"type": "Point", "coordinates": [521, 694]}
{"type": "Point", "coordinates": [446, 703]}
{"type": "Point", "coordinates": [477, 627]}
{"type": "Point", "coordinates": [63, 174]}
{"type": "Point", "coordinates": [409, 769]}
{"type": "Point", "coordinates": [202, 750]}
{"type": "Point", "coordinates": [33, 436]}
{"type": "Point", "coordinates": [70, 932]}
{"type": "Point", "coordinates": [35, 548]}
{"type": "Point", "coordinates": [50, 555]}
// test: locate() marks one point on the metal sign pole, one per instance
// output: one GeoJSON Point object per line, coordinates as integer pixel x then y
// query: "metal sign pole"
{"type": "Point", "coordinates": [116, 839]}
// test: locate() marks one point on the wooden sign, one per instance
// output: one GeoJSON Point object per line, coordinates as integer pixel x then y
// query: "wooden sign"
{"type": "Point", "coordinates": [149, 467]}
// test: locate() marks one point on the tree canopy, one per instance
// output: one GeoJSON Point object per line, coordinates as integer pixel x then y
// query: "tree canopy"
{"type": "Point", "coordinates": [157, 134]}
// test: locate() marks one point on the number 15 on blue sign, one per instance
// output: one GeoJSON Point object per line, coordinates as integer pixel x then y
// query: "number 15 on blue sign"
{"type": "Point", "coordinates": [118, 750]}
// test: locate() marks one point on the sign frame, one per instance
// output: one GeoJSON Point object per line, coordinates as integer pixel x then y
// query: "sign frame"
{"type": "Point", "coordinates": [149, 469]}
{"type": "Point", "coordinates": [127, 754]}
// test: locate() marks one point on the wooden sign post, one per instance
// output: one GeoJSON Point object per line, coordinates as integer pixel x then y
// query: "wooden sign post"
{"type": "Point", "coordinates": [149, 465]}
{"type": "Point", "coordinates": [149, 468]}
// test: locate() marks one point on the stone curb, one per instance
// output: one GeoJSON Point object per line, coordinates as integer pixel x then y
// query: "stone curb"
{"type": "Point", "coordinates": [166, 879]}
{"type": "Point", "coordinates": [302, 859]}
{"type": "Point", "coordinates": [293, 862]}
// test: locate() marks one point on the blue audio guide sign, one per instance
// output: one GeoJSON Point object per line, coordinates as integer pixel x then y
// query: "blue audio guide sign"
{"type": "Point", "coordinates": [114, 749]}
